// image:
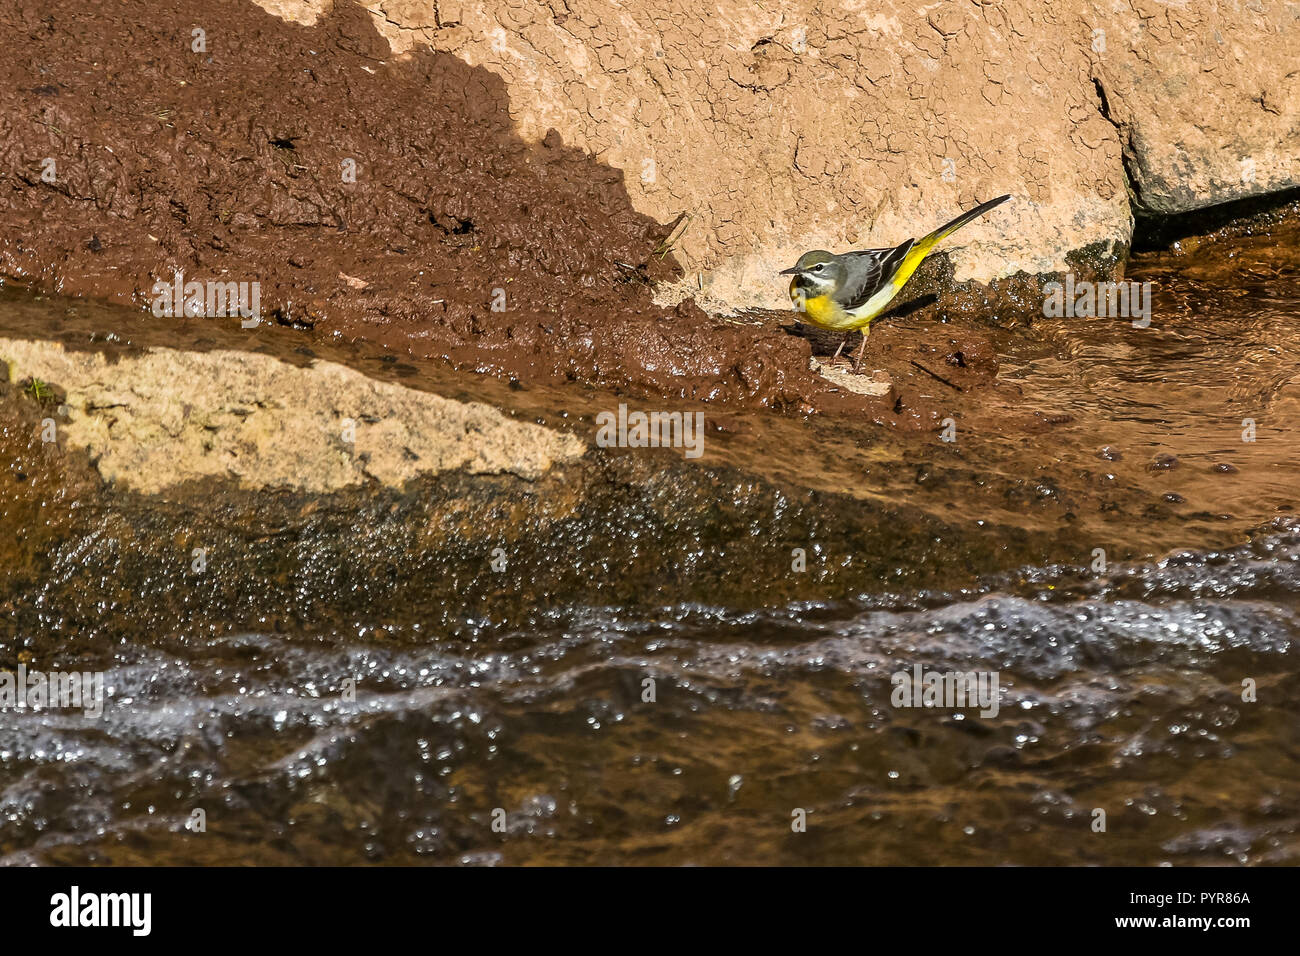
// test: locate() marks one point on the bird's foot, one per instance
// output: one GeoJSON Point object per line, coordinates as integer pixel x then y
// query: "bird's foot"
{"type": "Point", "coordinates": [862, 350]}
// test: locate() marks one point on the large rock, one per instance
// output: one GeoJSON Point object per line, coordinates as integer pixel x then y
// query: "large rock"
{"type": "Point", "coordinates": [1206, 99]}
{"type": "Point", "coordinates": [799, 125]}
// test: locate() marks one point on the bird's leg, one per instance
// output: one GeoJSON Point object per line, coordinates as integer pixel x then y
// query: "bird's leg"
{"type": "Point", "coordinates": [841, 348]}
{"type": "Point", "coordinates": [862, 350]}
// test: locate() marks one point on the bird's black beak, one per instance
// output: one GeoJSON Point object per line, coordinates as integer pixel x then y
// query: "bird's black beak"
{"type": "Point", "coordinates": [792, 271]}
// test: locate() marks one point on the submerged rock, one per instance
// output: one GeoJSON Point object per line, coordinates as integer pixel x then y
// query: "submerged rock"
{"type": "Point", "coordinates": [161, 417]}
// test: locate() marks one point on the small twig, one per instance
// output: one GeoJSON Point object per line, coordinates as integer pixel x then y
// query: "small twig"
{"type": "Point", "coordinates": [939, 377]}
{"type": "Point", "coordinates": [669, 242]}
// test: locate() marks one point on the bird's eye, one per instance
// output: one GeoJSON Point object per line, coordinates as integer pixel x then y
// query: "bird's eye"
{"type": "Point", "coordinates": [817, 268]}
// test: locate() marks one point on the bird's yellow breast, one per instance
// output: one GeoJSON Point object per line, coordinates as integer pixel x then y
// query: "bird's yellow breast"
{"type": "Point", "coordinates": [822, 311]}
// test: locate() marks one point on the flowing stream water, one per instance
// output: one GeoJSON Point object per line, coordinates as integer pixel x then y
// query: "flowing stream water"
{"type": "Point", "coordinates": [1122, 686]}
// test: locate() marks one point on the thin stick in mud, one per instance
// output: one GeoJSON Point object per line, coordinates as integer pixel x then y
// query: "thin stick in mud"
{"type": "Point", "coordinates": [935, 376]}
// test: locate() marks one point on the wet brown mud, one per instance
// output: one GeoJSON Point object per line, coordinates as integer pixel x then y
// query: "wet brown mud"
{"type": "Point", "coordinates": [456, 241]}
{"type": "Point", "coordinates": [229, 165]}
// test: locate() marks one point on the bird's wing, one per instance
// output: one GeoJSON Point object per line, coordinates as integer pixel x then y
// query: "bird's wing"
{"type": "Point", "coordinates": [869, 270]}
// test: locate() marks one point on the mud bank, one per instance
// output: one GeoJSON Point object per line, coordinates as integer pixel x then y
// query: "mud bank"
{"type": "Point", "coordinates": [456, 239]}
{"type": "Point", "coordinates": [377, 185]}
{"type": "Point", "coordinates": [391, 198]}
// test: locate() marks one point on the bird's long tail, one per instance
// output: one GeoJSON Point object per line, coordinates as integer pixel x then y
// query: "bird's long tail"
{"type": "Point", "coordinates": [960, 221]}
{"type": "Point", "coordinates": [923, 246]}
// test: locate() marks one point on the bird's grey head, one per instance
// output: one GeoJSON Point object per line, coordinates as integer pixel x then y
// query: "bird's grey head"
{"type": "Point", "coordinates": [818, 271]}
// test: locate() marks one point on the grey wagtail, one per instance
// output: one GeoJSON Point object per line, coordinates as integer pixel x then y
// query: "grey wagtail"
{"type": "Point", "coordinates": [846, 292]}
